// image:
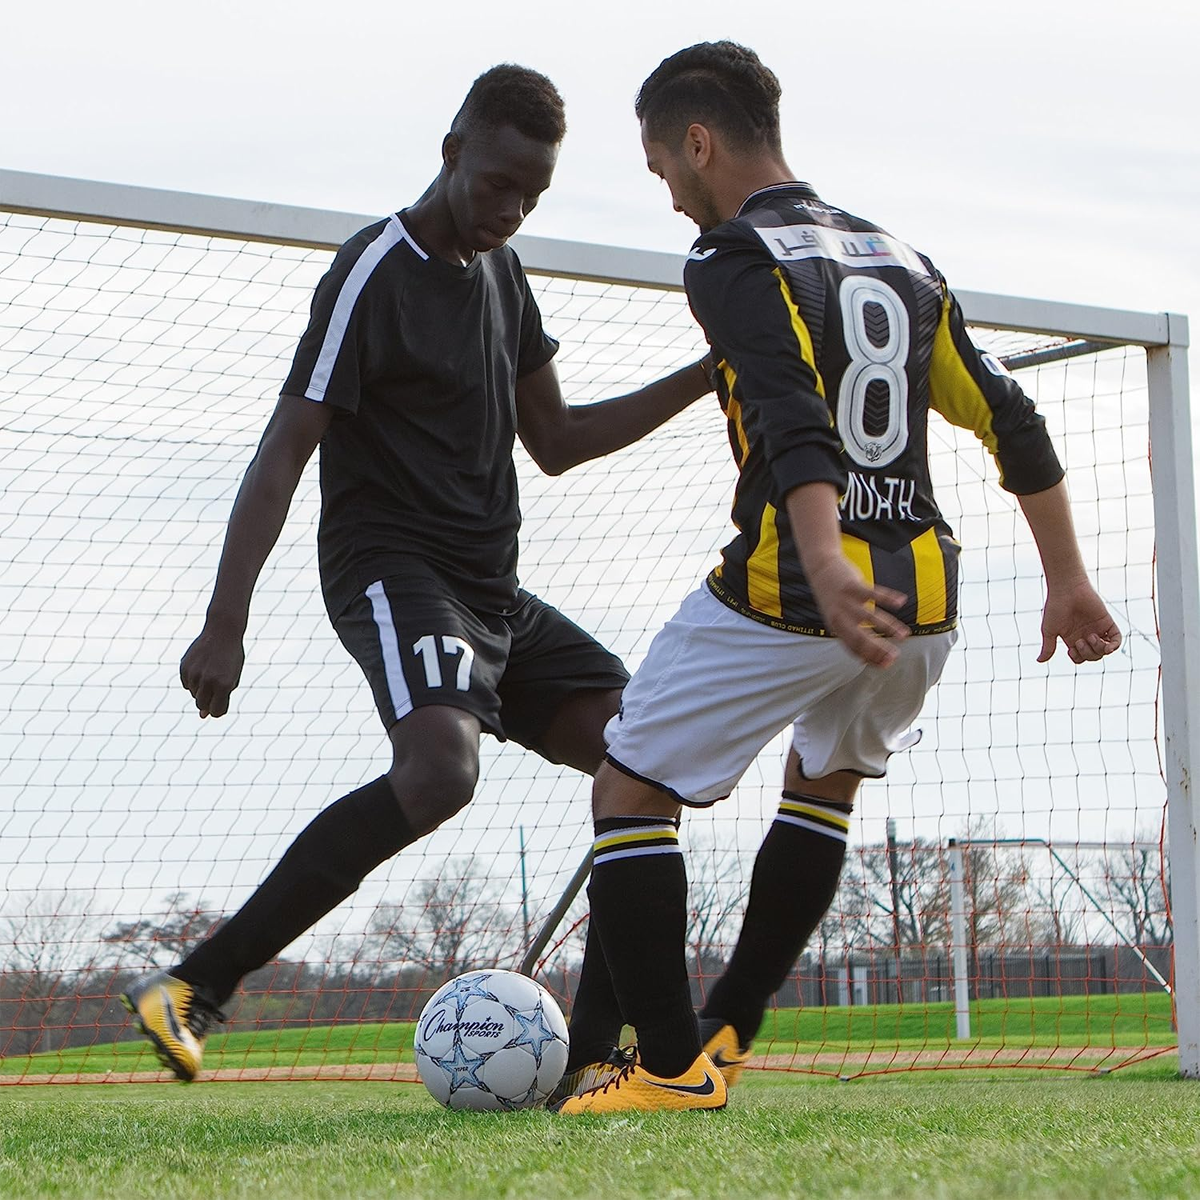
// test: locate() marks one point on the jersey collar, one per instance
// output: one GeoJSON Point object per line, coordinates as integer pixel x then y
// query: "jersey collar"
{"type": "Point", "coordinates": [793, 185]}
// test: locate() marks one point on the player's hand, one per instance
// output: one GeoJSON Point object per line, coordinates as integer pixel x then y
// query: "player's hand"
{"type": "Point", "coordinates": [1078, 616]}
{"type": "Point", "coordinates": [211, 669]}
{"type": "Point", "coordinates": [856, 612]}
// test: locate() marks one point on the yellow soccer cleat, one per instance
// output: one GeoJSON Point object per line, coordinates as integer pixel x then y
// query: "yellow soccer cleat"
{"type": "Point", "coordinates": [722, 1046]}
{"type": "Point", "coordinates": [634, 1089]}
{"type": "Point", "coordinates": [175, 1019]}
{"type": "Point", "coordinates": [592, 1075]}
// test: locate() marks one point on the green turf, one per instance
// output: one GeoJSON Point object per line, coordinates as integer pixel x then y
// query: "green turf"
{"type": "Point", "coordinates": [1070, 1021]}
{"type": "Point", "coordinates": [1132, 1019]}
{"type": "Point", "coordinates": [1134, 1134]}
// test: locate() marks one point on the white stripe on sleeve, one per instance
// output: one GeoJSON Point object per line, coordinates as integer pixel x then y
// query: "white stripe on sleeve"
{"type": "Point", "coordinates": [335, 332]}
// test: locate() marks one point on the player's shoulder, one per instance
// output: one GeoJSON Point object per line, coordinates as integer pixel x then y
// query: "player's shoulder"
{"type": "Point", "coordinates": [357, 242]}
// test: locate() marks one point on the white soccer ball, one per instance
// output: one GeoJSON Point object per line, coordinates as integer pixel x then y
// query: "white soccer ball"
{"type": "Point", "coordinates": [491, 1039]}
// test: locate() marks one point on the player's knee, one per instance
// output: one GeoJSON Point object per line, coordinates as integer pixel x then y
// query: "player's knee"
{"type": "Point", "coordinates": [431, 790]}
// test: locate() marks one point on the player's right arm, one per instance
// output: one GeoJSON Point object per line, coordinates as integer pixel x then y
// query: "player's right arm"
{"type": "Point", "coordinates": [212, 666]}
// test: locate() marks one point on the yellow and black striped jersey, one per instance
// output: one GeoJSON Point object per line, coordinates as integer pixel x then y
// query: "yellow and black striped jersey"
{"type": "Point", "coordinates": [833, 340]}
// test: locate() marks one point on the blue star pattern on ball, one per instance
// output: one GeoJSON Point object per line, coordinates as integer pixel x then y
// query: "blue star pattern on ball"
{"type": "Point", "coordinates": [470, 987]}
{"type": "Point", "coordinates": [533, 1033]}
{"type": "Point", "coordinates": [462, 1069]}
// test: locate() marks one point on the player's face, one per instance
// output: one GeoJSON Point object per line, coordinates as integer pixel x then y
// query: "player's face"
{"type": "Point", "coordinates": [690, 195]}
{"type": "Point", "coordinates": [497, 177]}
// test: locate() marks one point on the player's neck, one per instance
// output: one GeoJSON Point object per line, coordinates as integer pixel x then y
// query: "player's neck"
{"type": "Point", "coordinates": [752, 175]}
{"type": "Point", "coordinates": [433, 222]}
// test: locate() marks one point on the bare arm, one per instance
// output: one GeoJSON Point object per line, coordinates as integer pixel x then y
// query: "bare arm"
{"type": "Point", "coordinates": [1073, 612]}
{"type": "Point", "coordinates": [212, 666]}
{"type": "Point", "coordinates": [560, 436]}
{"type": "Point", "coordinates": [850, 606]}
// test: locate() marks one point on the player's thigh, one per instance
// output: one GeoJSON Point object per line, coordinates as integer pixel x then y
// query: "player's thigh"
{"type": "Point", "coordinates": [419, 646]}
{"type": "Point", "coordinates": [869, 718]}
{"type": "Point", "coordinates": [714, 689]}
{"type": "Point", "coordinates": [559, 688]}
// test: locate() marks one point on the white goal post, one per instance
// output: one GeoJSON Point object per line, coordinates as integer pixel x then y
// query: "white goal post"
{"type": "Point", "coordinates": [1059, 332]}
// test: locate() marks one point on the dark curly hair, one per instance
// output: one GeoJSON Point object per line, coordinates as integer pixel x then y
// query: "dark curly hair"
{"type": "Point", "coordinates": [511, 95]}
{"type": "Point", "coordinates": [720, 84]}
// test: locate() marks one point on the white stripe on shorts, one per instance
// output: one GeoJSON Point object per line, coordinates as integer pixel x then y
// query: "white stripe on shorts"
{"type": "Point", "coordinates": [389, 646]}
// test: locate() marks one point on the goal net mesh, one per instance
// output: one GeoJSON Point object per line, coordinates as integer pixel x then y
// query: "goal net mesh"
{"type": "Point", "coordinates": [137, 370]}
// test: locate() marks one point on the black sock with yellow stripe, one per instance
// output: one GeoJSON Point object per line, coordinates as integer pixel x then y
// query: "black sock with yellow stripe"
{"type": "Point", "coordinates": [638, 892]}
{"type": "Point", "coordinates": [795, 877]}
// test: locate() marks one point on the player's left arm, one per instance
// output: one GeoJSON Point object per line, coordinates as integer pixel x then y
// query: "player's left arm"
{"type": "Point", "coordinates": [973, 390]}
{"type": "Point", "coordinates": [1074, 612]}
{"type": "Point", "coordinates": [559, 435]}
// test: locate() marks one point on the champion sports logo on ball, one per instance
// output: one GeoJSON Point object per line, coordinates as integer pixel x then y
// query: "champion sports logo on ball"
{"type": "Point", "coordinates": [491, 1040]}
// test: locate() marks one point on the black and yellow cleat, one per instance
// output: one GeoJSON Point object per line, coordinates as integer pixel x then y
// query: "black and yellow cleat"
{"type": "Point", "coordinates": [592, 1075]}
{"type": "Point", "coordinates": [175, 1018]}
{"type": "Point", "coordinates": [722, 1046]}
{"type": "Point", "coordinates": [634, 1089]}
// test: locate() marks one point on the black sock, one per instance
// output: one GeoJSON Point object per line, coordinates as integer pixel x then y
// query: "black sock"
{"type": "Point", "coordinates": [324, 865]}
{"type": "Point", "coordinates": [639, 912]}
{"type": "Point", "coordinates": [795, 877]}
{"type": "Point", "coordinates": [596, 1020]}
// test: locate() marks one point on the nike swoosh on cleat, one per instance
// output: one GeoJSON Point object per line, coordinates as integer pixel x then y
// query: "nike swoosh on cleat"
{"type": "Point", "coordinates": [172, 1020]}
{"type": "Point", "coordinates": [694, 1089]}
{"type": "Point", "coordinates": [720, 1060]}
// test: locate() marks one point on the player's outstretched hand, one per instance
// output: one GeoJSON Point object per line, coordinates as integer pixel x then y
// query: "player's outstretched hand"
{"type": "Point", "coordinates": [211, 669]}
{"type": "Point", "coordinates": [857, 613]}
{"type": "Point", "coordinates": [1078, 616]}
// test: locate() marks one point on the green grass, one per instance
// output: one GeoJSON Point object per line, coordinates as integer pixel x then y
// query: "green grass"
{"type": "Point", "coordinates": [1134, 1134]}
{"type": "Point", "coordinates": [1133, 1019]}
{"type": "Point", "coordinates": [1069, 1021]}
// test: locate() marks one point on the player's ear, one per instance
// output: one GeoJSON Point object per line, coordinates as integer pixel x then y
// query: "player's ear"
{"type": "Point", "coordinates": [698, 145]}
{"type": "Point", "coordinates": [451, 149]}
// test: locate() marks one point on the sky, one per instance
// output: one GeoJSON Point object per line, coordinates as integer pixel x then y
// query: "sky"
{"type": "Point", "coordinates": [1041, 149]}
{"type": "Point", "coordinates": [1045, 150]}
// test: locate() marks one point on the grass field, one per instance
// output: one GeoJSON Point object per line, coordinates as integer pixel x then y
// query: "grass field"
{"type": "Point", "coordinates": [926, 1135]}
{"type": "Point", "coordinates": [1132, 1134]}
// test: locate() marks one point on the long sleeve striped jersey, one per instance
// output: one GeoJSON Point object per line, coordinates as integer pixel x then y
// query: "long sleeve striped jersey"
{"type": "Point", "coordinates": [833, 340]}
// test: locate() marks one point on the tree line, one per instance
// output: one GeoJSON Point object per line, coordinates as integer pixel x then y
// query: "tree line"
{"type": "Point", "coordinates": [890, 925]}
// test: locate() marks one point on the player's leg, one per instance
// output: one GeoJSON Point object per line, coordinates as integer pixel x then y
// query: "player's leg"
{"type": "Point", "coordinates": [794, 881]}
{"type": "Point", "coordinates": [713, 690]}
{"type": "Point", "coordinates": [850, 735]}
{"type": "Point", "coordinates": [433, 668]}
{"type": "Point", "coordinates": [559, 691]}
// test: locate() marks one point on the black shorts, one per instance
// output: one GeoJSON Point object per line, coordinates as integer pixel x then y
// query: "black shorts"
{"type": "Point", "coordinates": [418, 644]}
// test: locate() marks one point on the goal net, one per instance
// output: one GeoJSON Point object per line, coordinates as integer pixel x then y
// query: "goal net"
{"type": "Point", "coordinates": [1005, 898]}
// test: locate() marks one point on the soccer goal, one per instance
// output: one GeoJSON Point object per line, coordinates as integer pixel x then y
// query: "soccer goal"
{"type": "Point", "coordinates": [1021, 891]}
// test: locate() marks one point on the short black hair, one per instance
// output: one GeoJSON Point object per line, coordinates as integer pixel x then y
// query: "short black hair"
{"type": "Point", "coordinates": [511, 95]}
{"type": "Point", "coordinates": [720, 84]}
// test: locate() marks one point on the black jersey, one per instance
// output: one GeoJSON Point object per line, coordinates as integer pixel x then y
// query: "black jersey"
{"type": "Point", "coordinates": [420, 359]}
{"type": "Point", "coordinates": [833, 341]}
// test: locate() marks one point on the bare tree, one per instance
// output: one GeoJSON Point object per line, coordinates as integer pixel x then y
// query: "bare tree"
{"type": "Point", "coordinates": [717, 887]}
{"type": "Point", "coordinates": [905, 897]}
{"type": "Point", "coordinates": [47, 948]}
{"type": "Point", "coordinates": [162, 941]}
{"type": "Point", "coordinates": [1137, 883]}
{"type": "Point", "coordinates": [450, 923]}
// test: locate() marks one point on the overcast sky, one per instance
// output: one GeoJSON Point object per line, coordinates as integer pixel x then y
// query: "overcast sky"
{"type": "Point", "coordinates": [1042, 149]}
{"type": "Point", "coordinates": [1045, 149]}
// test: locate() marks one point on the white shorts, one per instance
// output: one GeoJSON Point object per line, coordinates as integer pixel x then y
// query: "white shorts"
{"type": "Point", "coordinates": [716, 687]}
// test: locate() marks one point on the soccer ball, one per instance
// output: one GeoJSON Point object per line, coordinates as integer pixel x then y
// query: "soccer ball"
{"type": "Point", "coordinates": [491, 1039]}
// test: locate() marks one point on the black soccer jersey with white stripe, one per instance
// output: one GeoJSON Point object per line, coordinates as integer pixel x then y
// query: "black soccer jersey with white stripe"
{"type": "Point", "coordinates": [833, 341]}
{"type": "Point", "coordinates": [420, 359]}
